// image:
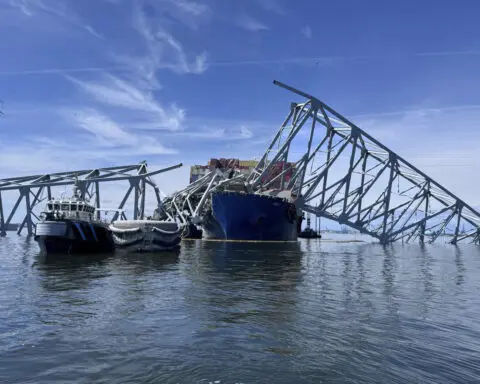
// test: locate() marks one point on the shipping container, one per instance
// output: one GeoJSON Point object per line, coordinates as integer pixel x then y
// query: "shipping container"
{"type": "Point", "coordinates": [244, 166]}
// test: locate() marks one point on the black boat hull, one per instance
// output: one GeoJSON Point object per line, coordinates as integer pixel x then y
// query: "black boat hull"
{"type": "Point", "coordinates": [61, 245]}
{"type": "Point", "coordinates": [73, 237]}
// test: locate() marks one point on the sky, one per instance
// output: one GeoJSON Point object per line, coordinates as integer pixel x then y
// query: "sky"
{"type": "Point", "coordinates": [93, 83]}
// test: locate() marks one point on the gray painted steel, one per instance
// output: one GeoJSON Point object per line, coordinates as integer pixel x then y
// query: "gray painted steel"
{"type": "Point", "coordinates": [32, 190]}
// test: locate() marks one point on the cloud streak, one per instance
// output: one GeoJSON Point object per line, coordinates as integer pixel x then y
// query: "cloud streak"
{"type": "Point", "coordinates": [274, 6]}
{"type": "Point", "coordinates": [124, 90]}
{"type": "Point", "coordinates": [418, 112]}
{"type": "Point", "coordinates": [164, 51]}
{"type": "Point", "coordinates": [191, 7]}
{"type": "Point", "coordinates": [216, 133]}
{"type": "Point", "coordinates": [116, 92]}
{"type": "Point", "coordinates": [306, 32]}
{"type": "Point", "coordinates": [201, 63]}
{"type": "Point", "coordinates": [250, 24]}
{"type": "Point", "coordinates": [55, 8]}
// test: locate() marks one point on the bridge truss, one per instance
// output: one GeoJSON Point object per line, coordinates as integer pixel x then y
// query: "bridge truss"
{"type": "Point", "coordinates": [34, 190]}
{"type": "Point", "coordinates": [344, 174]}
{"type": "Point", "coordinates": [192, 204]}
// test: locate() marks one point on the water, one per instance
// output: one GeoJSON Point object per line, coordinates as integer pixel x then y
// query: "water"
{"type": "Point", "coordinates": [310, 312]}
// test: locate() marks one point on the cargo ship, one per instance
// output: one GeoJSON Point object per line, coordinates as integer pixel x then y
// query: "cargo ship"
{"type": "Point", "coordinates": [219, 204]}
{"type": "Point", "coordinates": [253, 217]}
{"type": "Point", "coordinates": [235, 214]}
{"type": "Point", "coordinates": [242, 166]}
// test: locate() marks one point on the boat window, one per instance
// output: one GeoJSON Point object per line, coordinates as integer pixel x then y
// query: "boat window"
{"type": "Point", "coordinates": [73, 207]}
{"type": "Point", "coordinates": [57, 207]}
{"type": "Point", "coordinates": [50, 207]}
{"type": "Point", "coordinates": [80, 207]}
{"type": "Point", "coordinates": [64, 207]}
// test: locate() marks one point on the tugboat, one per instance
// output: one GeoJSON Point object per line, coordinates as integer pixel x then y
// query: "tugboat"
{"type": "Point", "coordinates": [308, 232]}
{"type": "Point", "coordinates": [69, 226]}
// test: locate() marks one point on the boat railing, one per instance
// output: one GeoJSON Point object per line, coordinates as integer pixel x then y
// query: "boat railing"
{"type": "Point", "coordinates": [59, 214]}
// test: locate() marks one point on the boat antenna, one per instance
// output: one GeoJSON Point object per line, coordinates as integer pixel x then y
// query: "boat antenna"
{"type": "Point", "coordinates": [75, 186]}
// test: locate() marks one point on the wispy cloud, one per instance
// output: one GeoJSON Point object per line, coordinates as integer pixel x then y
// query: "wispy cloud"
{"type": "Point", "coordinates": [250, 24]}
{"type": "Point", "coordinates": [147, 68]}
{"type": "Point", "coordinates": [418, 112]}
{"type": "Point", "coordinates": [121, 115]}
{"type": "Point", "coordinates": [102, 138]}
{"type": "Point", "coordinates": [307, 32]}
{"type": "Point", "coordinates": [190, 14]}
{"type": "Point", "coordinates": [245, 133]}
{"type": "Point", "coordinates": [131, 93]}
{"type": "Point", "coordinates": [215, 132]}
{"type": "Point", "coordinates": [106, 131]}
{"type": "Point", "coordinates": [62, 71]}
{"type": "Point", "coordinates": [113, 91]}
{"type": "Point", "coordinates": [164, 51]}
{"type": "Point", "coordinates": [272, 6]}
{"type": "Point", "coordinates": [52, 8]}
{"type": "Point", "coordinates": [191, 7]}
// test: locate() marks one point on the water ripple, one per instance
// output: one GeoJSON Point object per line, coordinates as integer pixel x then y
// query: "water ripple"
{"type": "Point", "coordinates": [225, 313]}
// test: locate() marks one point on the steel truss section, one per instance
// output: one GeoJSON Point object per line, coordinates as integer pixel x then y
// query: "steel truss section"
{"type": "Point", "coordinates": [191, 203]}
{"type": "Point", "coordinates": [346, 175]}
{"type": "Point", "coordinates": [34, 190]}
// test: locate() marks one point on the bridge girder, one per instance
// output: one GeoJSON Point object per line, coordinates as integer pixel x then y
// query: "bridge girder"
{"type": "Point", "coordinates": [34, 190]}
{"type": "Point", "coordinates": [346, 175]}
{"type": "Point", "coordinates": [191, 203]}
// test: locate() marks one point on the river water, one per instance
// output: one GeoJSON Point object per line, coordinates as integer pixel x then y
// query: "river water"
{"type": "Point", "coordinates": [308, 312]}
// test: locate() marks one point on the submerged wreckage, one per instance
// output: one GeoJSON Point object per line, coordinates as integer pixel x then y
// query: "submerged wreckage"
{"type": "Point", "coordinates": [335, 170]}
{"type": "Point", "coordinates": [223, 206]}
{"type": "Point", "coordinates": [319, 163]}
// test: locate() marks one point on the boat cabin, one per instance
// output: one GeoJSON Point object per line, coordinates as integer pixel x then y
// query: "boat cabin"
{"type": "Point", "coordinates": [72, 209]}
{"type": "Point", "coordinates": [75, 207]}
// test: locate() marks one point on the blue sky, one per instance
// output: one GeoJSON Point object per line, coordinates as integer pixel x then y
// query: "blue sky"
{"type": "Point", "coordinates": [108, 82]}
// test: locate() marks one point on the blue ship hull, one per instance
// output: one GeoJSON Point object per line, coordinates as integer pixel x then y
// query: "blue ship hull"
{"type": "Point", "coordinates": [240, 216]}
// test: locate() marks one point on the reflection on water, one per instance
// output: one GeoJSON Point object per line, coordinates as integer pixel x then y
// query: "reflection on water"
{"type": "Point", "coordinates": [460, 266]}
{"type": "Point", "coordinates": [305, 312]}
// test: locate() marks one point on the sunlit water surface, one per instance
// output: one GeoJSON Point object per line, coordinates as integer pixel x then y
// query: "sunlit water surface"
{"type": "Point", "coordinates": [312, 312]}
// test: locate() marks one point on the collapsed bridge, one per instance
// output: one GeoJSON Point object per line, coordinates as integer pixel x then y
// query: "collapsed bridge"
{"type": "Point", "coordinates": [32, 192]}
{"type": "Point", "coordinates": [343, 174]}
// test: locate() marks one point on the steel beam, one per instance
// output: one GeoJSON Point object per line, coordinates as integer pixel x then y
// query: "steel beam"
{"type": "Point", "coordinates": [369, 202]}
{"type": "Point", "coordinates": [90, 181]}
{"type": "Point", "coordinates": [359, 192]}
